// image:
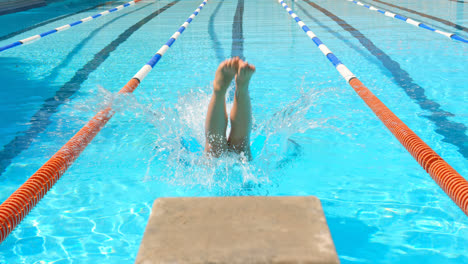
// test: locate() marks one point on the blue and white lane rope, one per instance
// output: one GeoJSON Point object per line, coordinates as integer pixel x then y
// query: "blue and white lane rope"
{"type": "Point", "coordinates": [67, 26]}
{"type": "Point", "coordinates": [343, 70]}
{"type": "Point", "coordinates": [141, 74]}
{"type": "Point", "coordinates": [411, 21]}
{"type": "Point", "coordinates": [449, 180]}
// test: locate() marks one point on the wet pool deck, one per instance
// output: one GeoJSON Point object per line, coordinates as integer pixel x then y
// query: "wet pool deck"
{"type": "Point", "coordinates": [248, 229]}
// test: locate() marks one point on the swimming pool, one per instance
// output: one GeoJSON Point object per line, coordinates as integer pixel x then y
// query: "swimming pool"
{"type": "Point", "coordinates": [312, 134]}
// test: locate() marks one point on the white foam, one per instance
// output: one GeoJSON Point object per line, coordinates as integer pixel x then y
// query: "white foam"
{"type": "Point", "coordinates": [141, 74]}
{"type": "Point", "coordinates": [389, 14]}
{"type": "Point", "coordinates": [163, 50]}
{"type": "Point", "coordinates": [310, 34]}
{"type": "Point", "coordinates": [176, 35]}
{"type": "Point", "coordinates": [86, 19]}
{"type": "Point", "coordinates": [444, 33]}
{"type": "Point", "coordinates": [30, 39]}
{"type": "Point", "coordinates": [345, 72]}
{"type": "Point", "coordinates": [62, 28]}
{"type": "Point", "coordinates": [324, 49]}
{"type": "Point", "coordinates": [412, 22]}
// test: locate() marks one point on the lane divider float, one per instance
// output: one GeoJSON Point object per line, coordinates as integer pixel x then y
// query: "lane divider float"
{"type": "Point", "coordinates": [18, 205]}
{"type": "Point", "coordinates": [453, 184]}
{"type": "Point", "coordinates": [65, 27]}
{"type": "Point", "coordinates": [410, 21]}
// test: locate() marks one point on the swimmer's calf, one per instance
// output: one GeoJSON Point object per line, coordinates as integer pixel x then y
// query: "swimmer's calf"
{"type": "Point", "coordinates": [241, 113]}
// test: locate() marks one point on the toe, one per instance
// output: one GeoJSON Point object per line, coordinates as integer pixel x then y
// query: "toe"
{"type": "Point", "coordinates": [235, 62]}
{"type": "Point", "coordinates": [242, 66]}
{"type": "Point", "coordinates": [232, 63]}
{"type": "Point", "coordinates": [223, 64]}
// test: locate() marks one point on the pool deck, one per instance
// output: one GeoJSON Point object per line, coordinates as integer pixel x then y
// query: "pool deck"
{"type": "Point", "coordinates": [247, 229]}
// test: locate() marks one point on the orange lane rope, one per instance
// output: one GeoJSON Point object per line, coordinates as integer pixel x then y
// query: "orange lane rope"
{"type": "Point", "coordinates": [453, 184]}
{"type": "Point", "coordinates": [443, 174]}
{"type": "Point", "coordinates": [18, 205]}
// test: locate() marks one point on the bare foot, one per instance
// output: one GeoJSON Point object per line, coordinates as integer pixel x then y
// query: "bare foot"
{"type": "Point", "coordinates": [224, 75]}
{"type": "Point", "coordinates": [244, 73]}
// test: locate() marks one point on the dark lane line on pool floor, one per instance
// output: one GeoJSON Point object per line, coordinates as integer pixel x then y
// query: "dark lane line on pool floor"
{"type": "Point", "coordinates": [8, 9]}
{"type": "Point", "coordinates": [339, 36]}
{"type": "Point", "coordinates": [237, 32]}
{"type": "Point", "coordinates": [10, 35]}
{"type": "Point", "coordinates": [443, 21]}
{"type": "Point", "coordinates": [453, 132]}
{"type": "Point", "coordinates": [64, 63]}
{"type": "Point", "coordinates": [237, 48]}
{"type": "Point", "coordinates": [41, 119]}
{"type": "Point", "coordinates": [214, 38]}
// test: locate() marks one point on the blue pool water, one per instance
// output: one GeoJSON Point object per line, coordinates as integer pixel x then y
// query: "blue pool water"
{"type": "Point", "coordinates": [312, 134]}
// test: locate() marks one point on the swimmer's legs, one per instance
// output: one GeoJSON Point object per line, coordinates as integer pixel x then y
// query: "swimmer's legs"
{"type": "Point", "coordinates": [241, 112]}
{"type": "Point", "coordinates": [216, 118]}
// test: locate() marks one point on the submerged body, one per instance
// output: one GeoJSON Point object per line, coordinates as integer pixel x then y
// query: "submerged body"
{"type": "Point", "coordinates": [241, 113]}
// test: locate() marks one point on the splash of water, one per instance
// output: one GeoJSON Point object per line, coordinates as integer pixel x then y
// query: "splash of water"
{"type": "Point", "coordinates": [178, 131]}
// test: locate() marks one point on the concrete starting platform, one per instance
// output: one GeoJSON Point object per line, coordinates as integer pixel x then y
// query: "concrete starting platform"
{"type": "Point", "coordinates": [249, 229]}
